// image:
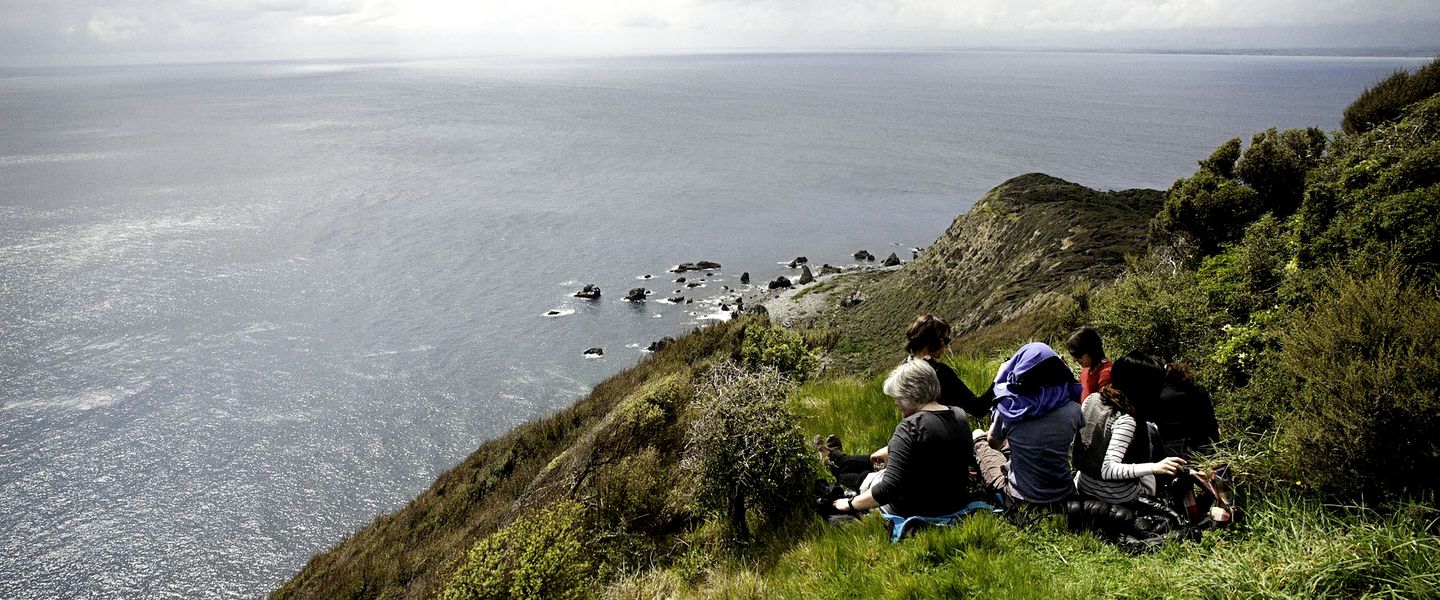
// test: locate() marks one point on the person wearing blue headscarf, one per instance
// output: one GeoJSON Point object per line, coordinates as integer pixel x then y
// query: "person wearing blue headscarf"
{"type": "Point", "coordinates": [1026, 453]}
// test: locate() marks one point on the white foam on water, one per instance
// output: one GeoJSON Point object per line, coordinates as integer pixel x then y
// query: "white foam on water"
{"type": "Point", "coordinates": [58, 157]}
{"type": "Point", "coordinates": [83, 401]}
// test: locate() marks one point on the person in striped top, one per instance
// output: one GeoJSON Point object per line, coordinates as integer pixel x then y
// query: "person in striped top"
{"type": "Point", "coordinates": [1112, 451]}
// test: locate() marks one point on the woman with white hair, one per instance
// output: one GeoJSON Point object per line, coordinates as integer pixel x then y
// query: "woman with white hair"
{"type": "Point", "coordinates": [930, 453]}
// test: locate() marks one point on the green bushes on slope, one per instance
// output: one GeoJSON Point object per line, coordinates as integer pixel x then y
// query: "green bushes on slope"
{"type": "Point", "coordinates": [1366, 413]}
{"type": "Point", "coordinates": [1315, 330]}
{"type": "Point", "coordinates": [1386, 100]}
{"type": "Point", "coordinates": [744, 449]}
{"type": "Point", "coordinates": [540, 557]}
{"type": "Point", "coordinates": [1208, 209]}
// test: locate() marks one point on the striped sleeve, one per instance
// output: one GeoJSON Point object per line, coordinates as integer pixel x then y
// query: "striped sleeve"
{"type": "Point", "coordinates": [1114, 466]}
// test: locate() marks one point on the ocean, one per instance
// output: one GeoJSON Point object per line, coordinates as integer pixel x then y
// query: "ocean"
{"type": "Point", "coordinates": [249, 307]}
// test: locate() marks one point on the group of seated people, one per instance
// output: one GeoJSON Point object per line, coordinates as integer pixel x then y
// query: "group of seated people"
{"type": "Point", "coordinates": [1052, 437]}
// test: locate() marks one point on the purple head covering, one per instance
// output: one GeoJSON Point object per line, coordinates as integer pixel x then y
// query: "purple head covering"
{"type": "Point", "coordinates": [1032, 383]}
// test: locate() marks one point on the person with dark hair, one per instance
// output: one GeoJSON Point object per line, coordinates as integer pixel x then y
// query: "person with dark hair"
{"type": "Point", "coordinates": [1034, 421]}
{"type": "Point", "coordinates": [1086, 348]}
{"type": "Point", "coordinates": [1185, 413]}
{"type": "Point", "coordinates": [1112, 451]}
{"type": "Point", "coordinates": [926, 339]}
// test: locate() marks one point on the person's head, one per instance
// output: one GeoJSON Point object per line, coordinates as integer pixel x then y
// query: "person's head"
{"type": "Point", "coordinates": [1085, 346]}
{"type": "Point", "coordinates": [913, 384]}
{"type": "Point", "coordinates": [927, 334]}
{"type": "Point", "coordinates": [1179, 373]}
{"type": "Point", "coordinates": [1135, 382]}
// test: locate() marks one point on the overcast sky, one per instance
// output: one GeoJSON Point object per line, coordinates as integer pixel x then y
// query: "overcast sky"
{"type": "Point", "coordinates": [84, 31]}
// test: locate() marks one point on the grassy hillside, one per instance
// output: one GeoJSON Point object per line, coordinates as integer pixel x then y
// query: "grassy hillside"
{"type": "Point", "coordinates": [1019, 254]}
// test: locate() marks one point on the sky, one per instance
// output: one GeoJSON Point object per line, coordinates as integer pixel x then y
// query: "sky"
{"type": "Point", "coordinates": [129, 31]}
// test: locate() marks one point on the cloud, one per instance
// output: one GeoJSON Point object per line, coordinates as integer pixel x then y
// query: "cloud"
{"type": "Point", "coordinates": [281, 28]}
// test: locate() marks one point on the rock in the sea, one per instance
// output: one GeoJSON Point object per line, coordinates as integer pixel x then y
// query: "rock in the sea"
{"type": "Point", "coordinates": [852, 299]}
{"type": "Point", "coordinates": [828, 269]}
{"type": "Point", "coordinates": [660, 344]}
{"type": "Point", "coordinates": [864, 255]}
{"type": "Point", "coordinates": [677, 299]}
{"type": "Point", "coordinates": [646, 276]}
{"type": "Point", "coordinates": [745, 278]}
{"type": "Point", "coordinates": [689, 300]}
{"type": "Point", "coordinates": [679, 280]}
{"type": "Point", "coordinates": [780, 282]}
{"type": "Point", "coordinates": [703, 265]}
{"type": "Point", "coordinates": [799, 260]}
{"type": "Point", "coordinates": [590, 292]}
{"type": "Point", "coordinates": [709, 274]}
{"type": "Point", "coordinates": [694, 284]}
{"type": "Point", "coordinates": [636, 295]}
{"type": "Point", "coordinates": [597, 351]}
{"type": "Point", "coordinates": [724, 307]}
{"type": "Point", "coordinates": [552, 313]}
{"type": "Point", "coordinates": [805, 275]}
{"type": "Point", "coordinates": [891, 260]}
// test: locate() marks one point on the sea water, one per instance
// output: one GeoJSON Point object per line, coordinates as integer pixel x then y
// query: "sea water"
{"type": "Point", "coordinates": [246, 308]}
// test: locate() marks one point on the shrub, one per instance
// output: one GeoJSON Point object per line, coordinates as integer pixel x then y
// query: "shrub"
{"type": "Point", "coordinates": [1222, 161]}
{"type": "Point", "coordinates": [1366, 418]}
{"type": "Point", "coordinates": [1155, 309]}
{"type": "Point", "coordinates": [1275, 165]}
{"type": "Point", "coordinates": [1385, 101]}
{"type": "Point", "coordinates": [1204, 209]}
{"type": "Point", "coordinates": [541, 556]}
{"type": "Point", "coordinates": [1378, 196]}
{"type": "Point", "coordinates": [1246, 276]}
{"type": "Point", "coordinates": [745, 450]}
{"type": "Point", "coordinates": [766, 345]}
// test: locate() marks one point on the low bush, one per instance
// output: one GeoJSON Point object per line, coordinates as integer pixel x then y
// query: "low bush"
{"type": "Point", "coordinates": [1378, 197]}
{"type": "Point", "coordinates": [1385, 101]}
{"type": "Point", "coordinates": [1157, 309]}
{"type": "Point", "coordinates": [766, 345]}
{"type": "Point", "coordinates": [1366, 418]}
{"type": "Point", "coordinates": [542, 556]}
{"type": "Point", "coordinates": [744, 449]}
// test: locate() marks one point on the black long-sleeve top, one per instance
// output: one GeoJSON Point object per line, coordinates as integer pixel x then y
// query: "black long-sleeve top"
{"type": "Point", "coordinates": [954, 392]}
{"type": "Point", "coordinates": [928, 471]}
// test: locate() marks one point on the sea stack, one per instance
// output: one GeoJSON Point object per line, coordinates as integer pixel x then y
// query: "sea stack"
{"type": "Point", "coordinates": [891, 260]}
{"type": "Point", "coordinates": [805, 275]}
{"type": "Point", "coordinates": [636, 295]}
{"type": "Point", "coordinates": [590, 292]}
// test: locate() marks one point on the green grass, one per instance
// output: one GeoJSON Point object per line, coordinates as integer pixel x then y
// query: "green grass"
{"type": "Point", "coordinates": [860, 413]}
{"type": "Point", "coordinates": [1293, 548]}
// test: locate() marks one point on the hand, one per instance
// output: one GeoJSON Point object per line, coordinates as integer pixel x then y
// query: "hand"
{"type": "Point", "coordinates": [1170, 466]}
{"type": "Point", "coordinates": [880, 456]}
{"type": "Point", "coordinates": [842, 505]}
